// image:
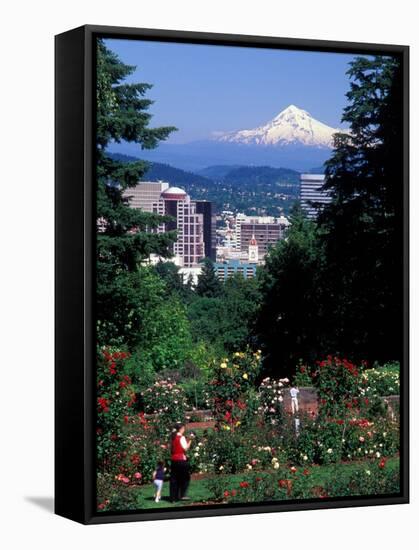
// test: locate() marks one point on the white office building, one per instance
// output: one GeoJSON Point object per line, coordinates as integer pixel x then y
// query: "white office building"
{"type": "Point", "coordinates": [312, 197]}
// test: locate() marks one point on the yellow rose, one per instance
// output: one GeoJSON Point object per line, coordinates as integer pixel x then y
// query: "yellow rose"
{"type": "Point", "coordinates": [223, 365]}
{"type": "Point", "coordinates": [245, 376]}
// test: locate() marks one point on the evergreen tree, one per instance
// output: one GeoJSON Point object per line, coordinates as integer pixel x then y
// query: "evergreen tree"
{"type": "Point", "coordinates": [362, 228]}
{"type": "Point", "coordinates": [209, 285]}
{"type": "Point", "coordinates": [122, 242]}
{"type": "Point", "coordinates": [288, 326]}
{"type": "Point", "coordinates": [240, 306]}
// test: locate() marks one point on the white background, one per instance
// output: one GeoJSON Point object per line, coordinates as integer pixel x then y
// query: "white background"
{"type": "Point", "coordinates": [26, 314]}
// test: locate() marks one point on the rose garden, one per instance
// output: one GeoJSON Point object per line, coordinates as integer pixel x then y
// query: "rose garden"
{"type": "Point", "coordinates": [246, 445]}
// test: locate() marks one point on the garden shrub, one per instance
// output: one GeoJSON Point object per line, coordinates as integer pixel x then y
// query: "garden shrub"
{"type": "Point", "coordinates": [381, 381]}
{"type": "Point", "coordinates": [196, 393]}
{"type": "Point", "coordinates": [226, 451]}
{"type": "Point", "coordinates": [303, 376]}
{"type": "Point", "coordinates": [116, 495]}
{"type": "Point", "coordinates": [232, 382]}
{"type": "Point", "coordinates": [115, 400]}
{"type": "Point", "coordinates": [271, 399]}
{"type": "Point", "coordinates": [337, 382]}
{"type": "Point", "coordinates": [167, 401]}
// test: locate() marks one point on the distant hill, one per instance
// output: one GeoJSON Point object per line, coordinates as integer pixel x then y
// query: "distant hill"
{"type": "Point", "coordinates": [217, 172]}
{"type": "Point", "coordinates": [164, 172]}
{"type": "Point", "coordinates": [262, 175]}
{"type": "Point", "coordinates": [260, 190]}
{"type": "Point", "coordinates": [175, 176]}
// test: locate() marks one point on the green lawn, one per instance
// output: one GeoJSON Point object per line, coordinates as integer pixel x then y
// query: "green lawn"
{"type": "Point", "coordinates": [199, 493]}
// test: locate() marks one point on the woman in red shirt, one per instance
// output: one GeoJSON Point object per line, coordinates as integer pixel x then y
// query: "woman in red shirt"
{"type": "Point", "coordinates": [179, 471]}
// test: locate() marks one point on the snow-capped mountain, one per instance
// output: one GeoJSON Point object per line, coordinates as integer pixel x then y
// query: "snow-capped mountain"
{"type": "Point", "coordinates": [293, 126]}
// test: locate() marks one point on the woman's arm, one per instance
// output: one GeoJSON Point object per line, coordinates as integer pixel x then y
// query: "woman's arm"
{"type": "Point", "coordinates": [185, 444]}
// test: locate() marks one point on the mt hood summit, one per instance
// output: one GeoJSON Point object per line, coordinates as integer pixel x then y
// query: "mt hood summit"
{"type": "Point", "coordinates": [293, 126]}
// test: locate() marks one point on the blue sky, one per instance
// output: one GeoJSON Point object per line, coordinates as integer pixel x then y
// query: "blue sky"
{"type": "Point", "coordinates": [201, 89]}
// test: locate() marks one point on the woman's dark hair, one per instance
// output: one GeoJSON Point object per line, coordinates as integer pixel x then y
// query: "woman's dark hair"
{"type": "Point", "coordinates": [176, 428]}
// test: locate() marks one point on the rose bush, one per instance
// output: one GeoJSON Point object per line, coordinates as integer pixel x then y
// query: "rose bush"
{"type": "Point", "coordinates": [232, 381]}
{"type": "Point", "coordinates": [337, 382]}
{"type": "Point", "coordinates": [166, 400]}
{"type": "Point", "coordinates": [271, 399]}
{"type": "Point", "coordinates": [115, 400]}
{"type": "Point", "coordinates": [381, 381]}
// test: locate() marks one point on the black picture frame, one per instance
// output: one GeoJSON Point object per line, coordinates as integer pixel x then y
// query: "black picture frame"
{"type": "Point", "coordinates": [75, 272]}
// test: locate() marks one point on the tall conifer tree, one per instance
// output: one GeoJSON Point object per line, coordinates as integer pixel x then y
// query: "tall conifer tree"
{"type": "Point", "coordinates": [122, 242]}
{"type": "Point", "coordinates": [362, 228]}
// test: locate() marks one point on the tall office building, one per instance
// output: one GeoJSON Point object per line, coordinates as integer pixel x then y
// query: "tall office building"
{"type": "Point", "coordinates": [187, 218]}
{"type": "Point", "coordinates": [188, 223]}
{"type": "Point", "coordinates": [312, 197]}
{"type": "Point", "coordinates": [145, 194]}
{"type": "Point", "coordinates": [266, 230]}
{"type": "Point", "coordinates": [210, 239]}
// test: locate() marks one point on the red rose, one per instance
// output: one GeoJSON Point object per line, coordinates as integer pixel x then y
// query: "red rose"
{"type": "Point", "coordinates": [243, 484]}
{"type": "Point", "coordinates": [226, 494]}
{"type": "Point", "coordinates": [382, 463]}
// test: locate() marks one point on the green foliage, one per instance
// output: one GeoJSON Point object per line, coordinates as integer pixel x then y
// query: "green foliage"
{"type": "Point", "coordinates": [374, 478]}
{"type": "Point", "coordinates": [166, 400]}
{"type": "Point", "coordinates": [115, 496]}
{"type": "Point", "coordinates": [288, 325]}
{"type": "Point", "coordinates": [122, 243]}
{"type": "Point", "coordinates": [196, 393]}
{"type": "Point", "coordinates": [271, 400]}
{"type": "Point", "coordinates": [240, 305]}
{"type": "Point", "coordinates": [158, 329]}
{"type": "Point", "coordinates": [226, 320]}
{"type": "Point", "coordinates": [303, 376]}
{"type": "Point", "coordinates": [381, 381]}
{"type": "Point", "coordinates": [337, 382]}
{"type": "Point", "coordinates": [226, 452]}
{"type": "Point", "coordinates": [115, 398]}
{"type": "Point", "coordinates": [369, 478]}
{"type": "Point", "coordinates": [208, 285]}
{"type": "Point", "coordinates": [361, 229]}
{"type": "Point", "coordinates": [233, 379]}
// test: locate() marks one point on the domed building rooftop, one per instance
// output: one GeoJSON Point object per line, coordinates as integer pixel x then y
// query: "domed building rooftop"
{"type": "Point", "coordinates": [174, 194]}
{"type": "Point", "coordinates": [253, 241]}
